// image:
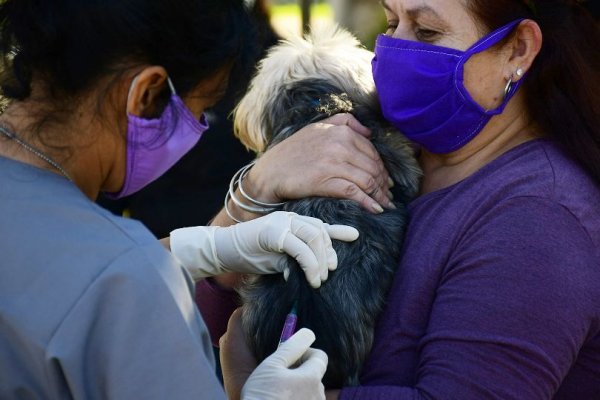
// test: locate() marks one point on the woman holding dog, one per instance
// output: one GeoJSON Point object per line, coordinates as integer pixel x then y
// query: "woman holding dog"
{"type": "Point", "coordinates": [106, 96]}
{"type": "Point", "coordinates": [498, 290]}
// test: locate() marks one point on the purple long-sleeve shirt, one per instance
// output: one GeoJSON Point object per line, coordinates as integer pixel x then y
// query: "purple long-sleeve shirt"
{"type": "Point", "coordinates": [498, 292]}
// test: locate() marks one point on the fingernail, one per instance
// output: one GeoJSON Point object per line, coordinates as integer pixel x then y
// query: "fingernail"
{"type": "Point", "coordinates": [392, 206]}
{"type": "Point", "coordinates": [377, 208]}
{"type": "Point", "coordinates": [390, 195]}
{"type": "Point", "coordinates": [390, 182]}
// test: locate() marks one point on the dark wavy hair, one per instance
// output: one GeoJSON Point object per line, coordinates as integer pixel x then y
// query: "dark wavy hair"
{"type": "Point", "coordinates": [562, 89]}
{"type": "Point", "coordinates": [71, 44]}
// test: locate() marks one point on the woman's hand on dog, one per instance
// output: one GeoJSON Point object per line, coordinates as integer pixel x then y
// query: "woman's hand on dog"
{"type": "Point", "coordinates": [331, 158]}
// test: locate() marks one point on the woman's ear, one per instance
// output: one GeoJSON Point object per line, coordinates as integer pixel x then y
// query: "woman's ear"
{"type": "Point", "coordinates": [523, 49]}
{"type": "Point", "coordinates": [145, 90]}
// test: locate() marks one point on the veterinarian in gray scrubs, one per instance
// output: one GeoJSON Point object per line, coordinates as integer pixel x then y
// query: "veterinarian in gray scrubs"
{"type": "Point", "coordinates": [497, 295]}
{"type": "Point", "coordinates": [106, 96]}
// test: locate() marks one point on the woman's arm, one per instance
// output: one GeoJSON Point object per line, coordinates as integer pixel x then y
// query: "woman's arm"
{"type": "Point", "coordinates": [332, 158]}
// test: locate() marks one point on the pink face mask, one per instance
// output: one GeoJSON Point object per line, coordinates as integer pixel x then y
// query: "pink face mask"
{"type": "Point", "coordinates": [155, 145]}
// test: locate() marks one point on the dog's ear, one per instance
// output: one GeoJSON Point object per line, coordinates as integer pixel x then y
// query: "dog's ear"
{"type": "Point", "coordinates": [250, 119]}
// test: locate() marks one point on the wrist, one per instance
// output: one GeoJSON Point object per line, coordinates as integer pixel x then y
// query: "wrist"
{"type": "Point", "coordinates": [194, 247]}
{"type": "Point", "coordinates": [237, 383]}
{"type": "Point", "coordinates": [240, 201]}
{"type": "Point", "coordinates": [226, 283]}
{"type": "Point", "coordinates": [235, 213]}
{"type": "Point", "coordinates": [258, 188]}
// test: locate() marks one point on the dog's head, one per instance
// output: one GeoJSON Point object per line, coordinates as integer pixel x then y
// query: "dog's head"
{"type": "Point", "coordinates": [329, 56]}
{"type": "Point", "coordinates": [306, 80]}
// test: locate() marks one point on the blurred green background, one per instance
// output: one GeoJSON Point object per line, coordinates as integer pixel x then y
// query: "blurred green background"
{"type": "Point", "coordinates": [364, 18]}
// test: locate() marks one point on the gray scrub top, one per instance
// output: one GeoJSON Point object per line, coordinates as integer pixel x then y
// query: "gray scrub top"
{"type": "Point", "coordinates": [91, 305]}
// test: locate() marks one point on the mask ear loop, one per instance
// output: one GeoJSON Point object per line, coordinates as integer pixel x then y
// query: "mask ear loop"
{"type": "Point", "coordinates": [133, 82]}
{"type": "Point", "coordinates": [173, 91]}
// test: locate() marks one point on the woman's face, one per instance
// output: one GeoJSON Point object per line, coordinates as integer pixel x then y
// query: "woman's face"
{"type": "Point", "coordinates": [449, 23]}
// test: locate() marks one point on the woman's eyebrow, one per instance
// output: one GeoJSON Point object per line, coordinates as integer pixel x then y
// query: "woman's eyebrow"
{"type": "Point", "coordinates": [422, 10]}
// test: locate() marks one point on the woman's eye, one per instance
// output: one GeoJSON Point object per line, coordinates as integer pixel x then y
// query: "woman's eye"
{"type": "Point", "coordinates": [426, 35]}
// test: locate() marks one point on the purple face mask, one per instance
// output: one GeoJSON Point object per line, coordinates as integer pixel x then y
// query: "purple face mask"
{"type": "Point", "coordinates": [422, 93]}
{"type": "Point", "coordinates": [155, 145]}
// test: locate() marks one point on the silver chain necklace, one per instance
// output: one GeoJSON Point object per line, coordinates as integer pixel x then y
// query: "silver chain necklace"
{"type": "Point", "coordinates": [30, 148]}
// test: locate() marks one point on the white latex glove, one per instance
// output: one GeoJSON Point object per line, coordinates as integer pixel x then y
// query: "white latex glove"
{"type": "Point", "coordinates": [258, 246]}
{"type": "Point", "coordinates": [293, 372]}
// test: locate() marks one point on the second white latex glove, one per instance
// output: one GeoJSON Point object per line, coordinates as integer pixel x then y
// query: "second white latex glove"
{"type": "Point", "coordinates": [259, 246]}
{"type": "Point", "coordinates": [293, 372]}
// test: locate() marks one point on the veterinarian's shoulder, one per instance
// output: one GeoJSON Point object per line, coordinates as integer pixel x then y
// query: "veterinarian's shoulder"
{"type": "Point", "coordinates": [126, 248]}
{"type": "Point", "coordinates": [125, 315]}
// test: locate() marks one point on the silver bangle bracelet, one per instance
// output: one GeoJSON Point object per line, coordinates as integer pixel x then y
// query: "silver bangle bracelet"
{"type": "Point", "coordinates": [252, 209]}
{"type": "Point", "coordinates": [258, 207]}
{"type": "Point", "coordinates": [228, 211]}
{"type": "Point", "coordinates": [242, 174]}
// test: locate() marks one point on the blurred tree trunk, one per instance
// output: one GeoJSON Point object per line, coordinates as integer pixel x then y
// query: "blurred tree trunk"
{"type": "Point", "coordinates": [305, 7]}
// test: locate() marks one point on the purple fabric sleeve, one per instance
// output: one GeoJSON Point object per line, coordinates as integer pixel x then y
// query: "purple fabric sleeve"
{"type": "Point", "coordinates": [513, 306]}
{"type": "Point", "coordinates": [216, 305]}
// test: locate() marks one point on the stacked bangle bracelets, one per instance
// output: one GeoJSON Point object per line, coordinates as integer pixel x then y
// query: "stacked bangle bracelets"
{"type": "Point", "coordinates": [256, 206]}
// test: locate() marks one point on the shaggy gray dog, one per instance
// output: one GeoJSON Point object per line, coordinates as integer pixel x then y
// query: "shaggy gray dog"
{"type": "Point", "coordinates": [300, 82]}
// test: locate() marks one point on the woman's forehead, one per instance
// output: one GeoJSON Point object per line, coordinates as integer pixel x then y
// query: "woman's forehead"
{"type": "Point", "coordinates": [440, 7]}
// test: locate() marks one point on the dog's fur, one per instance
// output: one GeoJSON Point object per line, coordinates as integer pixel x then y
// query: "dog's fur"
{"type": "Point", "coordinates": [303, 81]}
